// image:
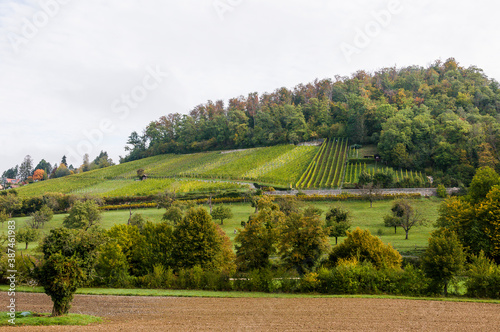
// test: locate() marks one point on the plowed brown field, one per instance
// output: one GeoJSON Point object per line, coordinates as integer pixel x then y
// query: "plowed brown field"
{"type": "Point", "coordinates": [123, 313]}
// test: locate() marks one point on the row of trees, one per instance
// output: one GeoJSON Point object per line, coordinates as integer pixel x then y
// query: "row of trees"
{"type": "Point", "coordinates": [441, 119]}
{"type": "Point", "coordinates": [279, 235]}
{"type": "Point", "coordinates": [44, 170]}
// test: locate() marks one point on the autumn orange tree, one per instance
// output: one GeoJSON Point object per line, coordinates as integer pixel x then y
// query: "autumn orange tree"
{"type": "Point", "coordinates": [39, 175]}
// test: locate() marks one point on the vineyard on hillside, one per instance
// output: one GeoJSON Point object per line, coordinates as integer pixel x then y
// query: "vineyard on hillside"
{"type": "Point", "coordinates": [327, 167]}
{"type": "Point", "coordinates": [401, 178]}
{"type": "Point", "coordinates": [280, 165]}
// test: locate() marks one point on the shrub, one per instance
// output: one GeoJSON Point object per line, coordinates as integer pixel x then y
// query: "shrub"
{"type": "Point", "coordinates": [441, 191]}
{"type": "Point", "coordinates": [483, 278]}
{"type": "Point", "coordinates": [362, 245]}
{"type": "Point", "coordinates": [112, 266]}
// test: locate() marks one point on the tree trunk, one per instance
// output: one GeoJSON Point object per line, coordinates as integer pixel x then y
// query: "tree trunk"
{"type": "Point", "coordinates": [26, 246]}
{"type": "Point", "coordinates": [406, 234]}
{"type": "Point", "coordinates": [57, 310]}
{"type": "Point", "coordinates": [335, 240]}
{"type": "Point", "coordinates": [371, 203]}
{"type": "Point", "coordinates": [210, 202]}
{"type": "Point", "coordinates": [446, 288]}
{"type": "Point", "coordinates": [395, 228]}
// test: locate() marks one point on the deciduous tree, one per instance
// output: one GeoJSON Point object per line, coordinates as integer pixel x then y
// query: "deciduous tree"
{"type": "Point", "coordinates": [403, 215]}
{"type": "Point", "coordinates": [40, 218]}
{"type": "Point", "coordinates": [257, 241]}
{"type": "Point", "coordinates": [173, 214]}
{"type": "Point", "coordinates": [39, 175]}
{"type": "Point", "coordinates": [27, 235]}
{"type": "Point", "coordinates": [222, 212]}
{"type": "Point", "coordinates": [360, 244]}
{"type": "Point", "coordinates": [197, 241]}
{"type": "Point", "coordinates": [68, 259]}
{"type": "Point", "coordinates": [337, 221]}
{"type": "Point", "coordinates": [83, 215]}
{"type": "Point", "coordinates": [443, 259]}
{"type": "Point", "coordinates": [302, 240]}
{"type": "Point", "coordinates": [10, 203]}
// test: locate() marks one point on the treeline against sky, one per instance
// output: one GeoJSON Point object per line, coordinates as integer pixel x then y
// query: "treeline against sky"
{"type": "Point", "coordinates": [442, 119]}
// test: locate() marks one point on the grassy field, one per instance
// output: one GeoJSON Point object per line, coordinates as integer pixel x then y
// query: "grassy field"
{"type": "Point", "coordinates": [44, 319]}
{"type": "Point", "coordinates": [235, 294]}
{"type": "Point", "coordinates": [362, 216]}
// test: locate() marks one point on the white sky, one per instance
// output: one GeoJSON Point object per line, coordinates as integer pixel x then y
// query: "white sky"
{"type": "Point", "coordinates": [65, 64]}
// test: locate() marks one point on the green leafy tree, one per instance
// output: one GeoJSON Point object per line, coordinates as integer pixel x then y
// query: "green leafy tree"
{"type": "Point", "coordinates": [10, 203]}
{"type": "Point", "coordinates": [68, 260]}
{"type": "Point", "coordinates": [222, 212]}
{"type": "Point", "coordinates": [173, 214]}
{"type": "Point", "coordinates": [483, 277]}
{"type": "Point", "coordinates": [489, 219]}
{"type": "Point", "coordinates": [365, 178]}
{"type": "Point", "coordinates": [101, 161]}
{"type": "Point", "coordinates": [482, 182]}
{"type": "Point", "coordinates": [197, 241]}
{"type": "Point", "coordinates": [45, 166]}
{"type": "Point", "coordinates": [40, 218]}
{"type": "Point", "coordinates": [165, 199]}
{"type": "Point", "coordinates": [112, 266]}
{"type": "Point", "coordinates": [3, 216]}
{"type": "Point", "coordinates": [337, 221]}
{"type": "Point", "coordinates": [27, 235]}
{"type": "Point", "coordinates": [390, 220]}
{"type": "Point", "coordinates": [288, 205]}
{"type": "Point", "coordinates": [443, 259]}
{"type": "Point", "coordinates": [403, 215]}
{"type": "Point", "coordinates": [130, 240]}
{"type": "Point", "coordinates": [155, 247]}
{"type": "Point", "coordinates": [302, 240]}
{"type": "Point", "coordinates": [363, 246]}
{"type": "Point", "coordinates": [138, 220]}
{"type": "Point", "coordinates": [257, 241]}
{"type": "Point", "coordinates": [83, 215]}
{"type": "Point", "coordinates": [441, 191]}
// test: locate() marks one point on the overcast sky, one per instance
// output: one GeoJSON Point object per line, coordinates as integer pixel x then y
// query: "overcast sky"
{"type": "Point", "coordinates": [79, 76]}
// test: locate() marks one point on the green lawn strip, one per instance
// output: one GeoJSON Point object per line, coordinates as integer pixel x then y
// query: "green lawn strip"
{"type": "Point", "coordinates": [44, 319]}
{"type": "Point", "coordinates": [362, 216]}
{"type": "Point", "coordinates": [236, 294]}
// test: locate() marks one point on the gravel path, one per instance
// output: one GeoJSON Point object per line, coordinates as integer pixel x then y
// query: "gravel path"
{"type": "Point", "coordinates": [124, 313]}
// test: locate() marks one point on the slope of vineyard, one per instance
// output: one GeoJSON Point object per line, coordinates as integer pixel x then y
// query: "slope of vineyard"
{"type": "Point", "coordinates": [279, 165]}
{"type": "Point", "coordinates": [326, 169]}
{"type": "Point", "coordinates": [402, 178]}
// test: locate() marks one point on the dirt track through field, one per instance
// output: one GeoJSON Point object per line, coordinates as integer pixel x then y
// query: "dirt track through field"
{"type": "Point", "coordinates": [124, 313]}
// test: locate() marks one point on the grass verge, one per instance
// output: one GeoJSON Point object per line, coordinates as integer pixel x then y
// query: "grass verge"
{"type": "Point", "coordinates": [235, 294]}
{"type": "Point", "coordinates": [44, 319]}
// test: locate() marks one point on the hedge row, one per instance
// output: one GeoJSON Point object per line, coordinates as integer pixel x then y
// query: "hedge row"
{"type": "Point", "coordinates": [350, 197]}
{"type": "Point", "coordinates": [128, 206]}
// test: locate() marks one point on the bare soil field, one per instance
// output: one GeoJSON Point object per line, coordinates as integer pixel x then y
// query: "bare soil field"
{"type": "Point", "coordinates": [124, 313]}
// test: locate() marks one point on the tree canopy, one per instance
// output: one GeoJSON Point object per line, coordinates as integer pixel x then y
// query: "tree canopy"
{"type": "Point", "coordinates": [441, 119]}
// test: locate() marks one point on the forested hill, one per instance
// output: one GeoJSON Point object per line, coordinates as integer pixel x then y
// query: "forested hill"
{"type": "Point", "coordinates": [442, 119]}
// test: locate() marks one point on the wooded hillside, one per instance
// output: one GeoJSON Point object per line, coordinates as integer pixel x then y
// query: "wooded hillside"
{"type": "Point", "coordinates": [441, 120]}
